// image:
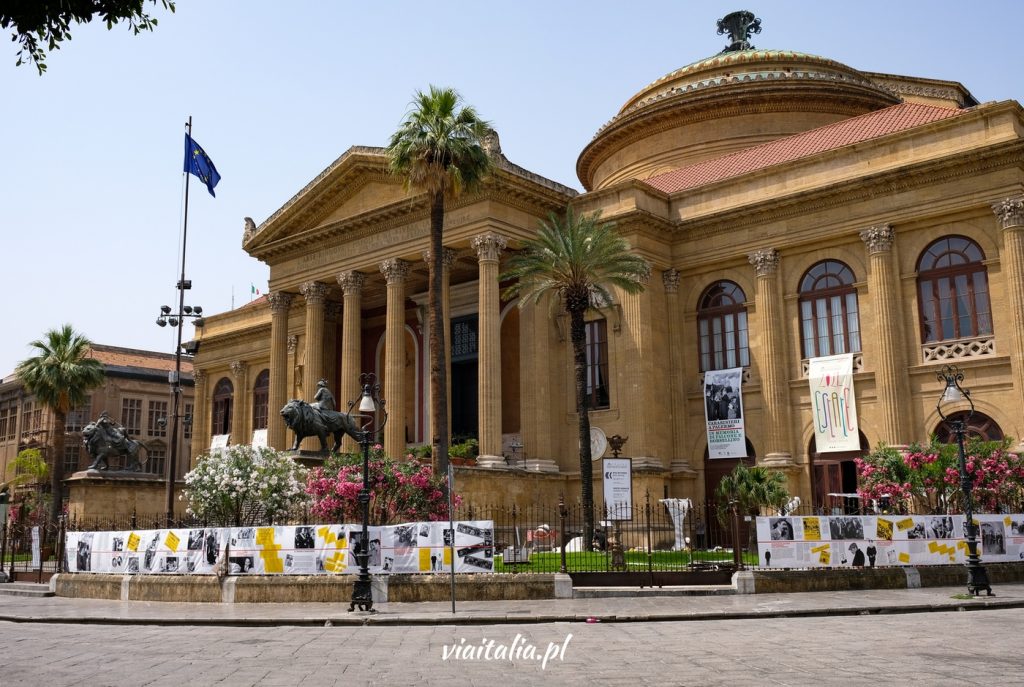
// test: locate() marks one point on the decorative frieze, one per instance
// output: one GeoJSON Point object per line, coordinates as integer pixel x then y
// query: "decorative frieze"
{"type": "Point", "coordinates": [488, 246]}
{"type": "Point", "coordinates": [765, 261]}
{"type": "Point", "coordinates": [878, 239]}
{"type": "Point", "coordinates": [1010, 212]}
{"type": "Point", "coordinates": [979, 347]}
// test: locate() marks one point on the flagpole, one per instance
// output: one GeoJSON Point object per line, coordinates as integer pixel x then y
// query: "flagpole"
{"type": "Point", "coordinates": [172, 463]}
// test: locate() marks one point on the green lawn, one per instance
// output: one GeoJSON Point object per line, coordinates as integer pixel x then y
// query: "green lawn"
{"type": "Point", "coordinates": [597, 561]}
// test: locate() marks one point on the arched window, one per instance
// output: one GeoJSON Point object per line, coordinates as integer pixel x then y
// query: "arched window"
{"type": "Point", "coordinates": [260, 400]}
{"type": "Point", "coordinates": [952, 284]}
{"type": "Point", "coordinates": [829, 319]}
{"type": "Point", "coordinates": [979, 426]}
{"type": "Point", "coordinates": [223, 395]}
{"type": "Point", "coordinates": [722, 325]}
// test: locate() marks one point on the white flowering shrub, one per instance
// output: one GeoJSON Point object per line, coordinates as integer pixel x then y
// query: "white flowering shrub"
{"type": "Point", "coordinates": [243, 484]}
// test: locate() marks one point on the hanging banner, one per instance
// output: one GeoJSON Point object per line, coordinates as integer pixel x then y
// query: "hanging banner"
{"type": "Point", "coordinates": [723, 411]}
{"type": "Point", "coordinates": [833, 404]}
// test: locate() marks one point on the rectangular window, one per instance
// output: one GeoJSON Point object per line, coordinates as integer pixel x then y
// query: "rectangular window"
{"type": "Point", "coordinates": [158, 420]}
{"type": "Point", "coordinates": [186, 422]}
{"type": "Point", "coordinates": [597, 364]}
{"type": "Point", "coordinates": [982, 305]}
{"type": "Point", "coordinates": [4, 410]}
{"type": "Point", "coordinates": [131, 415]}
{"type": "Point", "coordinates": [72, 454]}
{"type": "Point", "coordinates": [78, 417]}
{"type": "Point", "coordinates": [26, 419]}
{"type": "Point", "coordinates": [156, 461]}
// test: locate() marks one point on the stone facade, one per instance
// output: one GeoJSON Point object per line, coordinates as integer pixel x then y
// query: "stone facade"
{"type": "Point", "coordinates": [755, 170]}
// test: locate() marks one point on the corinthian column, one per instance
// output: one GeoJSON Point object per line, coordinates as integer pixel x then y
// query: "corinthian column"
{"type": "Point", "coordinates": [773, 357]}
{"type": "Point", "coordinates": [200, 434]}
{"type": "Point", "coordinates": [892, 385]}
{"type": "Point", "coordinates": [240, 408]}
{"type": "Point", "coordinates": [1010, 214]}
{"type": "Point", "coordinates": [395, 271]}
{"type": "Point", "coordinates": [351, 284]}
{"type": "Point", "coordinates": [280, 302]}
{"type": "Point", "coordinates": [677, 373]}
{"type": "Point", "coordinates": [488, 248]}
{"type": "Point", "coordinates": [315, 294]}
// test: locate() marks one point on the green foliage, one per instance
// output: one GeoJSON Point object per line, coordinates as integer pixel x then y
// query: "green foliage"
{"type": "Point", "coordinates": [751, 489]}
{"type": "Point", "coordinates": [243, 484]}
{"type": "Point", "coordinates": [60, 376]}
{"type": "Point", "coordinates": [470, 448]}
{"type": "Point", "coordinates": [40, 26]}
{"type": "Point", "coordinates": [29, 466]}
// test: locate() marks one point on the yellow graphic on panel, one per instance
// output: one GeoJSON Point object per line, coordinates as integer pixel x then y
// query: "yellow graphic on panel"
{"type": "Point", "coordinates": [424, 559]}
{"type": "Point", "coordinates": [330, 537]}
{"type": "Point", "coordinates": [448, 557]}
{"type": "Point", "coordinates": [904, 557]}
{"type": "Point", "coordinates": [905, 524]}
{"type": "Point", "coordinates": [335, 562]}
{"type": "Point", "coordinates": [942, 549]}
{"type": "Point", "coordinates": [884, 528]}
{"type": "Point", "coordinates": [172, 541]}
{"type": "Point", "coordinates": [812, 529]}
{"type": "Point", "coordinates": [272, 562]}
{"type": "Point", "coordinates": [133, 542]}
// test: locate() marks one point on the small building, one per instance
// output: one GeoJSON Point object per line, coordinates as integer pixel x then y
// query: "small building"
{"type": "Point", "coordinates": [791, 207]}
{"type": "Point", "coordinates": [135, 393]}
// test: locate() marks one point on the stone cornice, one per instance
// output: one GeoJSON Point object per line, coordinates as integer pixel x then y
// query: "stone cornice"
{"type": "Point", "coordinates": [258, 332]}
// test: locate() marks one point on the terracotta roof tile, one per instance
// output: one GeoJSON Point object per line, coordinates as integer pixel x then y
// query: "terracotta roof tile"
{"type": "Point", "coordinates": [130, 357]}
{"type": "Point", "coordinates": [847, 132]}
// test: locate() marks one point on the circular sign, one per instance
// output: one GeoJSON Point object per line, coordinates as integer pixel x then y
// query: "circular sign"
{"type": "Point", "coordinates": [598, 443]}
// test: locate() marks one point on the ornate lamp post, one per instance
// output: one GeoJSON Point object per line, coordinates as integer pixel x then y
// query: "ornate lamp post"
{"type": "Point", "coordinates": [370, 404]}
{"type": "Point", "coordinates": [977, 577]}
{"type": "Point", "coordinates": [177, 320]}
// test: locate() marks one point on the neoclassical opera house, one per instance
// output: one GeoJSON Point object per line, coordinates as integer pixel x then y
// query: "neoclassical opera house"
{"type": "Point", "coordinates": [791, 207]}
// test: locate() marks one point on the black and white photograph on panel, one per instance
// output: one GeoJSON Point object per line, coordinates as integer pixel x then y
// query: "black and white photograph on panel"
{"type": "Point", "coordinates": [846, 527]}
{"type": "Point", "coordinates": [940, 527]}
{"type": "Point", "coordinates": [304, 538]}
{"type": "Point", "coordinates": [993, 538]}
{"type": "Point", "coordinates": [781, 529]}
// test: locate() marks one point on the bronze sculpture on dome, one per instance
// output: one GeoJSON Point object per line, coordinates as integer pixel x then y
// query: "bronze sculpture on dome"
{"type": "Point", "coordinates": [739, 25]}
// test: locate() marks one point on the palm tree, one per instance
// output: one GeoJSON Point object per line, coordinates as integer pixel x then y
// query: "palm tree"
{"type": "Point", "coordinates": [751, 489]}
{"type": "Point", "coordinates": [574, 260]}
{"type": "Point", "coordinates": [59, 376]}
{"type": "Point", "coordinates": [438, 150]}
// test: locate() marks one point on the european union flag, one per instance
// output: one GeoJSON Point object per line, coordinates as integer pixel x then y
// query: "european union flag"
{"type": "Point", "coordinates": [199, 163]}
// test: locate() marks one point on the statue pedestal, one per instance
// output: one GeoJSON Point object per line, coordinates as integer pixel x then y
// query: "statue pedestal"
{"type": "Point", "coordinates": [109, 493]}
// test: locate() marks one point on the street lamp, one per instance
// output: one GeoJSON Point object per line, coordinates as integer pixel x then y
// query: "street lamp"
{"type": "Point", "coordinates": [370, 404]}
{"type": "Point", "coordinates": [177, 320]}
{"type": "Point", "coordinates": [977, 577]}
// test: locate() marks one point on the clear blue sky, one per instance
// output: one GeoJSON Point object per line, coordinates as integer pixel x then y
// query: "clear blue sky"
{"type": "Point", "coordinates": [92, 186]}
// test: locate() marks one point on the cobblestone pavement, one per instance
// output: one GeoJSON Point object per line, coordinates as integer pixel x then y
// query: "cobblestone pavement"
{"type": "Point", "coordinates": [938, 648]}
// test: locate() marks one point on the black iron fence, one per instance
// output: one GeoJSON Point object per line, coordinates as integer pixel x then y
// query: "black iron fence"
{"type": "Point", "coordinates": [31, 551]}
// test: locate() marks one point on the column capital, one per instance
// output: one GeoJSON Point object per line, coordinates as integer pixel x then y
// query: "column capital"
{"type": "Point", "coordinates": [448, 256]}
{"type": "Point", "coordinates": [1010, 213]}
{"type": "Point", "coordinates": [670, 278]}
{"type": "Point", "coordinates": [765, 261]}
{"type": "Point", "coordinates": [293, 344]}
{"type": "Point", "coordinates": [198, 376]}
{"type": "Point", "coordinates": [879, 239]}
{"type": "Point", "coordinates": [315, 292]}
{"type": "Point", "coordinates": [394, 270]}
{"type": "Point", "coordinates": [488, 246]}
{"type": "Point", "coordinates": [238, 369]}
{"type": "Point", "coordinates": [332, 311]}
{"type": "Point", "coordinates": [351, 282]}
{"type": "Point", "coordinates": [279, 301]}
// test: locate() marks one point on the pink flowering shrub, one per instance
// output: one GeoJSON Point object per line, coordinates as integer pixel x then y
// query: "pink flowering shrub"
{"type": "Point", "coordinates": [928, 478]}
{"type": "Point", "coordinates": [399, 491]}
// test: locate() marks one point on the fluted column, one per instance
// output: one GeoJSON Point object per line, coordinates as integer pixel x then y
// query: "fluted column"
{"type": "Point", "coordinates": [332, 315]}
{"type": "Point", "coordinates": [351, 284]}
{"type": "Point", "coordinates": [280, 302]}
{"type": "Point", "coordinates": [488, 248]}
{"type": "Point", "coordinates": [315, 294]}
{"type": "Point", "coordinates": [681, 446]}
{"type": "Point", "coordinates": [200, 433]}
{"type": "Point", "coordinates": [774, 357]}
{"type": "Point", "coordinates": [240, 407]}
{"type": "Point", "coordinates": [1010, 214]}
{"type": "Point", "coordinates": [892, 385]}
{"type": "Point", "coordinates": [395, 271]}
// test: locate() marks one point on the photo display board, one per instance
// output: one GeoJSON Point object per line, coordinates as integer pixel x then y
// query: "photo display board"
{"type": "Point", "coordinates": [845, 541]}
{"type": "Point", "coordinates": [286, 550]}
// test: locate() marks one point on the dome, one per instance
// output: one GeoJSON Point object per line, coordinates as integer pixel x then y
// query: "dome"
{"type": "Point", "coordinates": [728, 102]}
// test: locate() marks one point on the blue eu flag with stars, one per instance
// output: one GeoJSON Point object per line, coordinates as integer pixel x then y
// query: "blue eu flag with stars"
{"type": "Point", "coordinates": [199, 163]}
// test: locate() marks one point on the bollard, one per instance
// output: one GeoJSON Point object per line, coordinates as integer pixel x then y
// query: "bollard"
{"type": "Point", "coordinates": [562, 513]}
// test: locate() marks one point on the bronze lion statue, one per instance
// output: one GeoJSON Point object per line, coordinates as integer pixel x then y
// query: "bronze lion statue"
{"type": "Point", "coordinates": [309, 421]}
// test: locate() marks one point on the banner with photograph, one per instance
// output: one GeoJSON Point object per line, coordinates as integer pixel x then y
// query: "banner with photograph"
{"type": "Point", "coordinates": [289, 550]}
{"type": "Point", "coordinates": [833, 404]}
{"type": "Point", "coordinates": [723, 412]}
{"type": "Point", "coordinates": [870, 541]}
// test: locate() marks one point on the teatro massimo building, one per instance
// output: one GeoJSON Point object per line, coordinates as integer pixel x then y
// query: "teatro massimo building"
{"type": "Point", "coordinates": [791, 208]}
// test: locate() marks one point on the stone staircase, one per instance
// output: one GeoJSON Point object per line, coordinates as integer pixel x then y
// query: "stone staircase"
{"type": "Point", "coordinates": [25, 589]}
